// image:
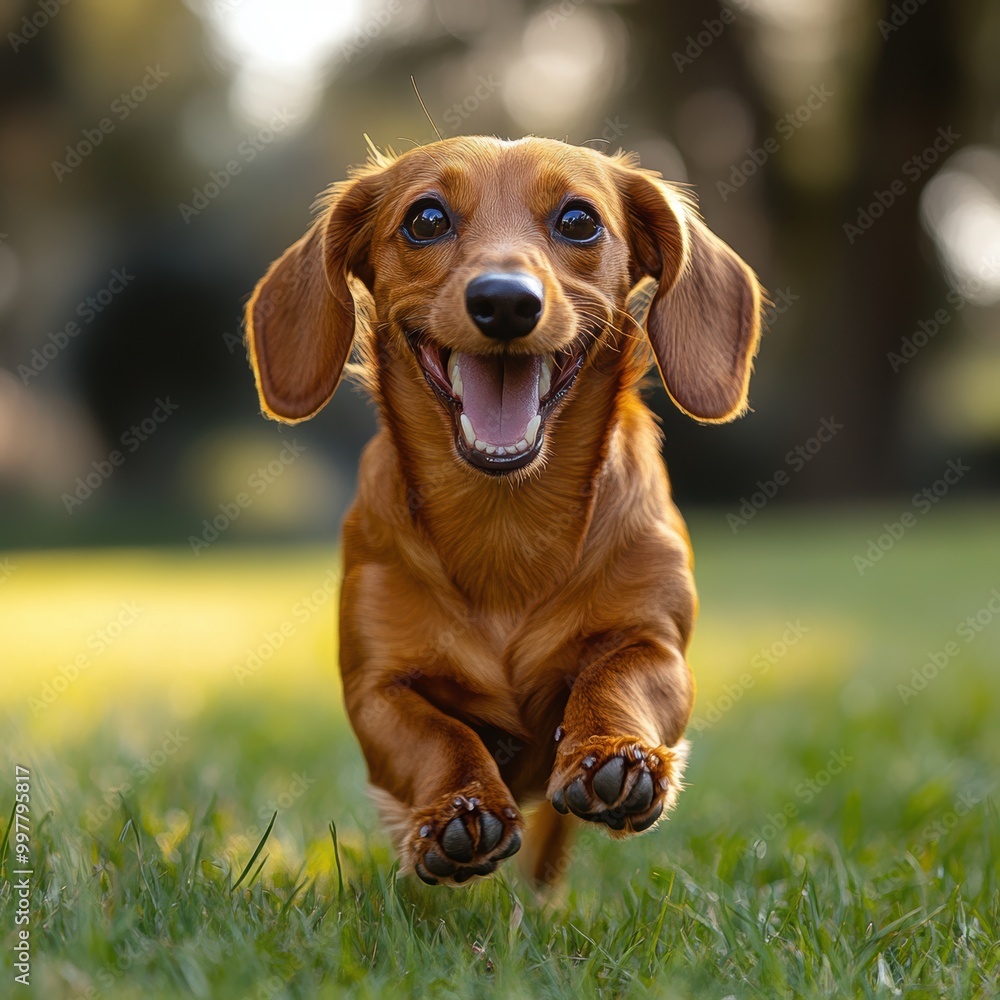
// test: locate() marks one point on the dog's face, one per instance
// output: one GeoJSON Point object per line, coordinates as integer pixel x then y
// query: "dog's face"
{"type": "Point", "coordinates": [499, 268]}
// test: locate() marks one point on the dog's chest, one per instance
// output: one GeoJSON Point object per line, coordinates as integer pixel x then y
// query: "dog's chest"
{"type": "Point", "coordinates": [474, 663]}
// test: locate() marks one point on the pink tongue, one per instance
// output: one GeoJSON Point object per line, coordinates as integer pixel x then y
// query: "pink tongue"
{"type": "Point", "coordinates": [499, 395]}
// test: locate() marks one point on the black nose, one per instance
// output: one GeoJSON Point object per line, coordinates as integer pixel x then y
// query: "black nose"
{"type": "Point", "coordinates": [504, 305]}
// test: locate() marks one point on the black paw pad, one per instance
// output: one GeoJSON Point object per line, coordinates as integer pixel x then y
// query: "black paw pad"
{"type": "Point", "coordinates": [577, 798]}
{"type": "Point", "coordinates": [641, 796]}
{"type": "Point", "coordinates": [490, 832]}
{"type": "Point", "coordinates": [609, 779]}
{"type": "Point", "coordinates": [512, 848]}
{"type": "Point", "coordinates": [424, 877]}
{"type": "Point", "coordinates": [437, 865]}
{"type": "Point", "coordinates": [614, 820]}
{"type": "Point", "coordinates": [456, 841]}
{"type": "Point", "coordinates": [645, 824]}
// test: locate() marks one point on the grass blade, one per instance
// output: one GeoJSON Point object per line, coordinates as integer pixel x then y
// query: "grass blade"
{"type": "Point", "coordinates": [253, 878]}
{"type": "Point", "coordinates": [138, 852]}
{"type": "Point", "coordinates": [260, 847]}
{"type": "Point", "coordinates": [336, 857]}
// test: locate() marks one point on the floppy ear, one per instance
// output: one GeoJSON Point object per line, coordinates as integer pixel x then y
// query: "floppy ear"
{"type": "Point", "coordinates": [301, 317]}
{"type": "Point", "coordinates": [704, 320]}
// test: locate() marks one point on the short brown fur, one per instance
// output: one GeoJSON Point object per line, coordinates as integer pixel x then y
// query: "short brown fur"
{"type": "Point", "coordinates": [479, 613]}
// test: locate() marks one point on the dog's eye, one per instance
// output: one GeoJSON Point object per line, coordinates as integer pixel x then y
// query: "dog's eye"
{"type": "Point", "coordinates": [578, 223]}
{"type": "Point", "coordinates": [427, 221]}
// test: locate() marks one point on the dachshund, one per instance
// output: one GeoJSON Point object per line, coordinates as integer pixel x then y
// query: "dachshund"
{"type": "Point", "coordinates": [517, 593]}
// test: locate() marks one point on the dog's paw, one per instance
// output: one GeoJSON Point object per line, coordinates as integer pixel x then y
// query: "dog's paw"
{"type": "Point", "coordinates": [462, 836]}
{"type": "Point", "coordinates": [617, 782]}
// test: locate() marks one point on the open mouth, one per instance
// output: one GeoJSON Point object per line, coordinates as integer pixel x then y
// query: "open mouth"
{"type": "Point", "coordinates": [499, 402]}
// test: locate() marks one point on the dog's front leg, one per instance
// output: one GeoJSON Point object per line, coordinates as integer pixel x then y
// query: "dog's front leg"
{"type": "Point", "coordinates": [621, 754]}
{"type": "Point", "coordinates": [439, 790]}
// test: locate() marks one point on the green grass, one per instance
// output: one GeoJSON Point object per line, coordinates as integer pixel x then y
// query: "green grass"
{"type": "Point", "coordinates": [880, 878]}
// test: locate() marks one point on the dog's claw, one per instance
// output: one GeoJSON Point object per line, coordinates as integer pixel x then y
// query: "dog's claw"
{"type": "Point", "coordinates": [608, 780]}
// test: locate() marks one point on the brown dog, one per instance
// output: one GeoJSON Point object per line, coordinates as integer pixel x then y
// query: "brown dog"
{"type": "Point", "coordinates": [517, 594]}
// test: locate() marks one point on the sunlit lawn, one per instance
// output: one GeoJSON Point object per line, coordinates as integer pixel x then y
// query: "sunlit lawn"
{"type": "Point", "coordinates": [837, 837]}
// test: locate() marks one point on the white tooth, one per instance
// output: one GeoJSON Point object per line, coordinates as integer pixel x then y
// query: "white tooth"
{"type": "Point", "coordinates": [480, 445]}
{"type": "Point", "coordinates": [467, 432]}
{"type": "Point", "coordinates": [532, 432]}
{"type": "Point", "coordinates": [544, 378]}
{"type": "Point", "coordinates": [501, 450]}
{"type": "Point", "coordinates": [521, 445]}
{"type": "Point", "coordinates": [491, 449]}
{"type": "Point", "coordinates": [454, 375]}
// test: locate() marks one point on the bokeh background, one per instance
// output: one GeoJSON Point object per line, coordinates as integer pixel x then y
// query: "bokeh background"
{"type": "Point", "coordinates": [790, 120]}
{"type": "Point", "coordinates": [154, 158]}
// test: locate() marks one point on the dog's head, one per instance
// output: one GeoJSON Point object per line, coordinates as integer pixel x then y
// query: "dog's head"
{"type": "Point", "coordinates": [497, 268]}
